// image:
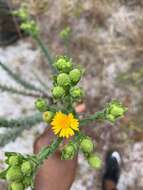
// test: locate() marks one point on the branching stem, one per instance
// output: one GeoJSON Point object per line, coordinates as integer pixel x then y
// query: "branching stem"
{"type": "Point", "coordinates": [97, 116]}
{"type": "Point", "coordinates": [47, 151]}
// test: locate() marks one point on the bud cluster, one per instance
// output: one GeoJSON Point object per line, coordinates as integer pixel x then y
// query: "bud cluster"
{"type": "Point", "coordinates": [87, 147]}
{"type": "Point", "coordinates": [66, 80]}
{"type": "Point", "coordinates": [27, 24]}
{"type": "Point", "coordinates": [42, 106]}
{"type": "Point", "coordinates": [20, 171]}
{"type": "Point", "coordinates": [114, 110]}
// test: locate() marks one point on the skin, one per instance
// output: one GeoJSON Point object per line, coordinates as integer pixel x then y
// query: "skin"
{"type": "Point", "coordinates": [54, 174]}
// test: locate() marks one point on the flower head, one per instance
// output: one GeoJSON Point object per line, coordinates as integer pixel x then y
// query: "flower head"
{"type": "Point", "coordinates": [58, 92]}
{"type": "Point", "coordinates": [114, 110]}
{"type": "Point", "coordinates": [41, 104]}
{"type": "Point", "coordinates": [87, 145]}
{"type": "Point", "coordinates": [26, 168]}
{"type": "Point", "coordinates": [30, 27]}
{"type": "Point", "coordinates": [47, 116]}
{"type": "Point", "coordinates": [94, 161]}
{"type": "Point", "coordinates": [63, 80]}
{"type": "Point", "coordinates": [14, 174]}
{"type": "Point", "coordinates": [14, 160]}
{"type": "Point", "coordinates": [65, 33]}
{"type": "Point", "coordinates": [69, 151]}
{"type": "Point", "coordinates": [75, 75]}
{"type": "Point", "coordinates": [63, 64]}
{"type": "Point", "coordinates": [76, 92]}
{"type": "Point", "coordinates": [17, 186]}
{"type": "Point", "coordinates": [64, 125]}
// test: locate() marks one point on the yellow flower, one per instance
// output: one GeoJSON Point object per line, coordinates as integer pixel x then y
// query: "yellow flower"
{"type": "Point", "coordinates": [64, 125]}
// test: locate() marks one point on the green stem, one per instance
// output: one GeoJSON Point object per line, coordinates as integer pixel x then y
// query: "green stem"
{"type": "Point", "coordinates": [42, 83]}
{"type": "Point", "coordinates": [96, 116]}
{"type": "Point", "coordinates": [13, 90]}
{"type": "Point", "coordinates": [21, 122]}
{"type": "Point", "coordinates": [17, 78]}
{"type": "Point", "coordinates": [16, 127]}
{"type": "Point", "coordinates": [47, 151]}
{"type": "Point", "coordinates": [45, 51]}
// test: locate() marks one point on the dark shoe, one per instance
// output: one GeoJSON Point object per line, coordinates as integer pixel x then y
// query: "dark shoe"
{"type": "Point", "coordinates": [112, 171]}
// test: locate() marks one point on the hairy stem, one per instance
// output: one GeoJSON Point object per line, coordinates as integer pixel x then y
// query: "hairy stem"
{"type": "Point", "coordinates": [16, 127]}
{"type": "Point", "coordinates": [18, 79]}
{"type": "Point", "coordinates": [42, 83]}
{"type": "Point", "coordinates": [21, 122]}
{"type": "Point", "coordinates": [45, 152]}
{"type": "Point", "coordinates": [22, 92]}
{"type": "Point", "coordinates": [97, 116]}
{"type": "Point", "coordinates": [45, 51]}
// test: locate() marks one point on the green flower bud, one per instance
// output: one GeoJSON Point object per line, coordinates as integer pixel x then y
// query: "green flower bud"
{"type": "Point", "coordinates": [95, 162]}
{"type": "Point", "coordinates": [110, 118]}
{"type": "Point", "coordinates": [87, 145]}
{"type": "Point", "coordinates": [14, 160]}
{"type": "Point", "coordinates": [17, 186]}
{"type": "Point", "coordinates": [14, 174]}
{"type": "Point", "coordinates": [75, 75]}
{"type": "Point", "coordinates": [69, 151]}
{"type": "Point", "coordinates": [76, 92]}
{"type": "Point", "coordinates": [117, 111]}
{"type": "Point", "coordinates": [63, 65]}
{"type": "Point", "coordinates": [41, 105]}
{"type": "Point", "coordinates": [58, 92]}
{"type": "Point", "coordinates": [114, 110]}
{"type": "Point", "coordinates": [26, 168]}
{"type": "Point", "coordinates": [30, 26]}
{"type": "Point", "coordinates": [22, 12]}
{"type": "Point", "coordinates": [47, 116]}
{"type": "Point", "coordinates": [27, 181]}
{"type": "Point", "coordinates": [63, 80]}
{"type": "Point", "coordinates": [65, 33]}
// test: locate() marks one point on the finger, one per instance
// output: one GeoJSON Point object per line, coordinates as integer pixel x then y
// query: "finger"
{"type": "Point", "coordinates": [80, 108]}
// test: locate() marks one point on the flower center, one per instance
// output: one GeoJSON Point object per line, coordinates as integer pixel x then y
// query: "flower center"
{"type": "Point", "coordinates": [65, 122]}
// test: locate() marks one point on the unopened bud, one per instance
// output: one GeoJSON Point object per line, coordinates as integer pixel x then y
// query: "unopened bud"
{"type": "Point", "coordinates": [13, 160]}
{"type": "Point", "coordinates": [87, 145]}
{"type": "Point", "coordinates": [95, 162]}
{"type": "Point", "coordinates": [58, 92]}
{"type": "Point", "coordinates": [76, 92]}
{"type": "Point", "coordinates": [75, 75]}
{"type": "Point", "coordinates": [63, 80]}
{"type": "Point", "coordinates": [63, 64]}
{"type": "Point", "coordinates": [69, 151]}
{"type": "Point", "coordinates": [114, 110]}
{"type": "Point", "coordinates": [17, 186]}
{"type": "Point", "coordinates": [26, 168]}
{"type": "Point", "coordinates": [41, 104]}
{"type": "Point", "coordinates": [47, 116]}
{"type": "Point", "coordinates": [30, 27]}
{"type": "Point", "coordinates": [14, 174]}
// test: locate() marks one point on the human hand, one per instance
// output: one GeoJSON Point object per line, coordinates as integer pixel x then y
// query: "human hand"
{"type": "Point", "coordinates": [55, 174]}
